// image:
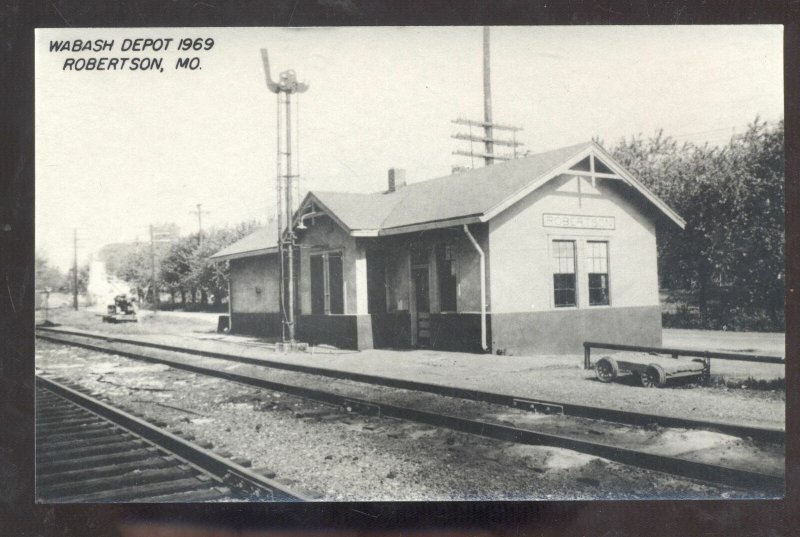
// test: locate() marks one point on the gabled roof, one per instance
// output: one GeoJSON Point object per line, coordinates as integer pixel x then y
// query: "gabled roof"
{"type": "Point", "coordinates": [359, 211]}
{"type": "Point", "coordinates": [262, 241]}
{"type": "Point", "coordinates": [471, 196]}
{"type": "Point", "coordinates": [474, 192]}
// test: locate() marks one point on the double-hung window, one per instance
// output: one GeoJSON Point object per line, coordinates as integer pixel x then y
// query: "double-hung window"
{"type": "Point", "coordinates": [597, 267]}
{"type": "Point", "coordinates": [563, 255]}
{"type": "Point", "coordinates": [327, 284]}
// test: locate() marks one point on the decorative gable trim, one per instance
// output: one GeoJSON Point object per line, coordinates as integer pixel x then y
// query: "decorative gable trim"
{"type": "Point", "coordinates": [592, 151]}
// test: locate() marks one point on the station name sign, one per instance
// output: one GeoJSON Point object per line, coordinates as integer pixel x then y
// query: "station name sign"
{"type": "Point", "coordinates": [578, 221]}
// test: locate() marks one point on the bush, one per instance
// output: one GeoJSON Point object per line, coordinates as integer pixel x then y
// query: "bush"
{"type": "Point", "coordinates": [679, 310]}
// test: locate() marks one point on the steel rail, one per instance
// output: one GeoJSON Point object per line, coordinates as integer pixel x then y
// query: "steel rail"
{"type": "Point", "coordinates": [759, 358]}
{"type": "Point", "coordinates": [225, 470]}
{"type": "Point", "coordinates": [765, 434]}
{"type": "Point", "coordinates": [772, 484]}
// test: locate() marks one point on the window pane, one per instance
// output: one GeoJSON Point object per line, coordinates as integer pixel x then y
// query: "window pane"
{"type": "Point", "coordinates": [598, 272]}
{"type": "Point", "coordinates": [564, 273]}
{"type": "Point", "coordinates": [564, 257]}
{"type": "Point", "coordinates": [564, 289]}
{"type": "Point", "coordinates": [335, 283]}
{"type": "Point", "coordinates": [317, 286]}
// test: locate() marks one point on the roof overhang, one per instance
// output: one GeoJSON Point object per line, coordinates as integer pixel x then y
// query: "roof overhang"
{"type": "Point", "coordinates": [593, 150]}
{"type": "Point", "coordinates": [312, 204]}
{"type": "Point", "coordinates": [436, 224]}
{"type": "Point", "coordinates": [239, 255]}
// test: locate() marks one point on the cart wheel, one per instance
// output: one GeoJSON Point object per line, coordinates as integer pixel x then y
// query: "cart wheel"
{"type": "Point", "coordinates": [705, 379]}
{"type": "Point", "coordinates": [606, 369]}
{"type": "Point", "coordinates": [653, 377]}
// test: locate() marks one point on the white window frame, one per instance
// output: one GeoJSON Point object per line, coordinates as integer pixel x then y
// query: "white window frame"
{"type": "Point", "coordinates": [608, 272]}
{"type": "Point", "coordinates": [551, 239]}
{"type": "Point", "coordinates": [581, 272]}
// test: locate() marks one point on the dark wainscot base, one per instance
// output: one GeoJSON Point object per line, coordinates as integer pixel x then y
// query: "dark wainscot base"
{"type": "Point", "coordinates": [564, 331]}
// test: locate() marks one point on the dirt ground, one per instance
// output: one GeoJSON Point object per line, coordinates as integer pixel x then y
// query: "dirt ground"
{"type": "Point", "coordinates": [337, 456]}
{"type": "Point", "coordinates": [162, 322]}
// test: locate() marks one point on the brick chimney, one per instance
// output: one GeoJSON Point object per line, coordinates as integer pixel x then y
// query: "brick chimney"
{"type": "Point", "coordinates": [397, 178]}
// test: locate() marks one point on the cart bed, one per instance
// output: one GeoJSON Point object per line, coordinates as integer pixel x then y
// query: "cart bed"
{"type": "Point", "coordinates": [652, 369]}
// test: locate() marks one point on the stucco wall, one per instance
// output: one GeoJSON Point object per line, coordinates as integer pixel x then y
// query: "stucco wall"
{"type": "Point", "coordinates": [398, 269]}
{"type": "Point", "coordinates": [248, 276]}
{"type": "Point", "coordinates": [520, 262]}
{"type": "Point", "coordinates": [469, 271]}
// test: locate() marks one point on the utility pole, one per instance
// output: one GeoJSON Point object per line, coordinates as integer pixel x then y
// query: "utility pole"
{"type": "Point", "coordinates": [161, 233]}
{"type": "Point", "coordinates": [199, 212]}
{"type": "Point", "coordinates": [287, 84]}
{"type": "Point", "coordinates": [488, 125]}
{"type": "Point", "coordinates": [487, 99]}
{"type": "Point", "coordinates": [75, 269]}
{"type": "Point", "coordinates": [153, 268]}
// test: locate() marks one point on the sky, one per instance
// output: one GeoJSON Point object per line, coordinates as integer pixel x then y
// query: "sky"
{"type": "Point", "coordinates": [119, 150]}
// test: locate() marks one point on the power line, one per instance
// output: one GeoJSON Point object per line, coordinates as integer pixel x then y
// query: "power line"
{"type": "Point", "coordinates": [488, 139]}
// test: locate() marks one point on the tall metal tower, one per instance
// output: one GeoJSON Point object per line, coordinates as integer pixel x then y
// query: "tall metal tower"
{"type": "Point", "coordinates": [286, 86]}
{"type": "Point", "coordinates": [488, 126]}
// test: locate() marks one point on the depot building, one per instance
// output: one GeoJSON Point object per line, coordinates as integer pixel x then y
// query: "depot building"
{"type": "Point", "coordinates": [534, 255]}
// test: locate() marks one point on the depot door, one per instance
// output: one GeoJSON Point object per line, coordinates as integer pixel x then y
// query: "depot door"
{"type": "Point", "coordinates": [421, 314]}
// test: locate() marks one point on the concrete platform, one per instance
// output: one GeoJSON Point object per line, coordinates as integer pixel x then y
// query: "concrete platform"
{"type": "Point", "coordinates": [554, 378]}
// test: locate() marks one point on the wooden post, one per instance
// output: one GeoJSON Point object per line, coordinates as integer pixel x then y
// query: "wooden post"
{"type": "Point", "coordinates": [230, 302]}
{"type": "Point", "coordinates": [487, 98]}
{"type": "Point", "coordinates": [153, 267]}
{"type": "Point", "coordinates": [75, 269]}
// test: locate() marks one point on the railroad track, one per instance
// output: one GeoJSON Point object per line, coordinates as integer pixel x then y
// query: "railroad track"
{"type": "Point", "coordinates": [764, 434]}
{"type": "Point", "coordinates": [89, 452]}
{"type": "Point", "coordinates": [721, 475]}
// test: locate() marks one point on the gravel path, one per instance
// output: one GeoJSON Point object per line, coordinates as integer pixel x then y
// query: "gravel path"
{"type": "Point", "coordinates": [338, 456]}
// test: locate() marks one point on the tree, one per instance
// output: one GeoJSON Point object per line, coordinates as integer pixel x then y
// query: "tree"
{"type": "Point", "coordinates": [177, 265]}
{"type": "Point", "coordinates": [731, 252]}
{"type": "Point", "coordinates": [183, 265]}
{"type": "Point", "coordinates": [186, 266]}
{"type": "Point", "coordinates": [209, 277]}
{"type": "Point", "coordinates": [47, 276]}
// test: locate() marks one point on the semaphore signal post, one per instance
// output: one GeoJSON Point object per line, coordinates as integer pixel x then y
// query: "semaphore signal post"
{"type": "Point", "coordinates": [286, 86]}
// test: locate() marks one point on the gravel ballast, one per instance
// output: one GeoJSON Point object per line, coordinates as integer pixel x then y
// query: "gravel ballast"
{"type": "Point", "coordinates": [553, 378]}
{"type": "Point", "coordinates": [338, 456]}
